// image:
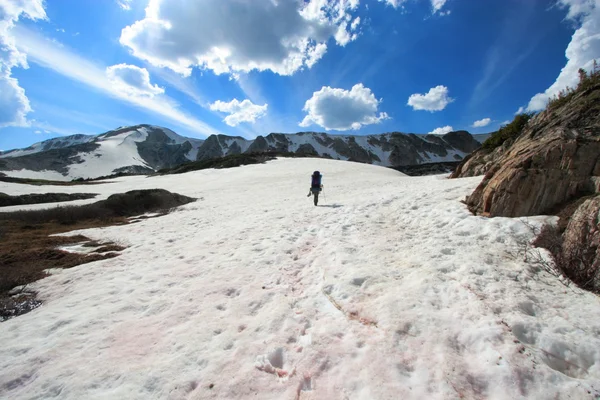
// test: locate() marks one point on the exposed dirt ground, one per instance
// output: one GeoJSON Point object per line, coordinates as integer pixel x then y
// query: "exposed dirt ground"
{"type": "Point", "coordinates": [27, 250]}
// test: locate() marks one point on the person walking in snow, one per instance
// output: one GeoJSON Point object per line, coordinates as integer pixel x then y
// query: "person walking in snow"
{"type": "Point", "coordinates": [315, 186]}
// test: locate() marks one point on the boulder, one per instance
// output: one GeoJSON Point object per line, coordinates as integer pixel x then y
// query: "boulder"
{"type": "Point", "coordinates": [581, 245]}
{"type": "Point", "coordinates": [537, 176]}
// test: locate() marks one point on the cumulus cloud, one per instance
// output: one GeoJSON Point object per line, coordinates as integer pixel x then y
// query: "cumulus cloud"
{"type": "Point", "coordinates": [481, 123]}
{"type": "Point", "coordinates": [14, 104]}
{"type": "Point", "coordinates": [239, 36]}
{"type": "Point", "coordinates": [239, 111]}
{"type": "Point", "coordinates": [581, 51]}
{"type": "Point", "coordinates": [342, 110]}
{"type": "Point", "coordinates": [435, 100]}
{"type": "Point", "coordinates": [132, 80]}
{"type": "Point", "coordinates": [442, 131]}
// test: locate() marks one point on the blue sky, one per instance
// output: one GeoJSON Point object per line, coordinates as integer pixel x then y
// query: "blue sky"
{"type": "Point", "coordinates": [247, 68]}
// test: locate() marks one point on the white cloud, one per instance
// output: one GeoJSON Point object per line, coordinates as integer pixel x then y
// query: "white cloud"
{"type": "Point", "coordinates": [132, 80]}
{"type": "Point", "coordinates": [436, 5]}
{"type": "Point", "coordinates": [442, 131]}
{"type": "Point", "coordinates": [239, 36]}
{"type": "Point", "coordinates": [481, 123]}
{"type": "Point", "coordinates": [393, 3]}
{"type": "Point", "coordinates": [342, 110]}
{"type": "Point", "coordinates": [239, 111]}
{"type": "Point", "coordinates": [577, 8]}
{"type": "Point", "coordinates": [65, 62]}
{"type": "Point", "coordinates": [14, 104]}
{"type": "Point", "coordinates": [435, 100]}
{"type": "Point", "coordinates": [124, 4]}
{"type": "Point", "coordinates": [581, 51]}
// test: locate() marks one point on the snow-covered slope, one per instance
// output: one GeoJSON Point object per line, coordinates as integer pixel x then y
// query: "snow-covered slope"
{"type": "Point", "coordinates": [140, 148]}
{"type": "Point", "coordinates": [390, 290]}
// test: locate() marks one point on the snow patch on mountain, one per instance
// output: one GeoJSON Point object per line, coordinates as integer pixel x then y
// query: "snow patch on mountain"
{"type": "Point", "coordinates": [115, 152]}
{"type": "Point", "coordinates": [244, 144]}
{"type": "Point", "coordinates": [50, 144]}
{"type": "Point", "coordinates": [383, 155]}
{"type": "Point", "coordinates": [298, 140]}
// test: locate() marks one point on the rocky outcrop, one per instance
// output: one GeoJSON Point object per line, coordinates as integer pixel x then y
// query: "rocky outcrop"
{"type": "Point", "coordinates": [478, 163]}
{"type": "Point", "coordinates": [462, 140]}
{"type": "Point", "coordinates": [278, 142]}
{"type": "Point", "coordinates": [554, 160]}
{"type": "Point", "coordinates": [158, 151]}
{"type": "Point", "coordinates": [211, 148]}
{"type": "Point", "coordinates": [235, 148]}
{"type": "Point", "coordinates": [353, 151]}
{"type": "Point", "coordinates": [258, 146]}
{"type": "Point", "coordinates": [581, 245]}
{"type": "Point", "coordinates": [306, 150]}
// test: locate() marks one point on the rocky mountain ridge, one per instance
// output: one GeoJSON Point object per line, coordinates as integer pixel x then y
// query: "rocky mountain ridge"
{"type": "Point", "coordinates": [147, 148]}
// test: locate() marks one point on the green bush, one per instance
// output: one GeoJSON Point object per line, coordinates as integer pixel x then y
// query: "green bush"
{"type": "Point", "coordinates": [507, 132]}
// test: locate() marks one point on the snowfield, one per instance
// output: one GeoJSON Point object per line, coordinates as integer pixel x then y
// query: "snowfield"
{"type": "Point", "coordinates": [390, 290]}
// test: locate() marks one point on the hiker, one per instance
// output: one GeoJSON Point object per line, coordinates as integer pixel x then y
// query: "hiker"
{"type": "Point", "coordinates": [315, 187]}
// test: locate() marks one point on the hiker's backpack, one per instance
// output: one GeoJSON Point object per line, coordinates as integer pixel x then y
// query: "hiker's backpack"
{"type": "Point", "coordinates": [316, 179]}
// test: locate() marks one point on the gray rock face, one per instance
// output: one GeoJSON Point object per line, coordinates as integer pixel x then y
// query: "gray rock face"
{"type": "Point", "coordinates": [159, 151]}
{"type": "Point", "coordinates": [306, 150]}
{"type": "Point", "coordinates": [211, 148]}
{"type": "Point", "coordinates": [581, 244]}
{"type": "Point", "coordinates": [462, 140]}
{"type": "Point", "coordinates": [554, 160]}
{"type": "Point", "coordinates": [259, 145]}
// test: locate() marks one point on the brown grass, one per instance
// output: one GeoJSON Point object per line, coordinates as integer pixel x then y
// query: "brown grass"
{"type": "Point", "coordinates": [576, 263]}
{"type": "Point", "coordinates": [27, 250]}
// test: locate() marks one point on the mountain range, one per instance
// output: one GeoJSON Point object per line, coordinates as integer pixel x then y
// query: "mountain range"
{"type": "Point", "coordinates": [147, 148]}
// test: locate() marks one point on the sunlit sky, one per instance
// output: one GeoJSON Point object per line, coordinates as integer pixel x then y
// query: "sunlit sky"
{"type": "Point", "coordinates": [251, 67]}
